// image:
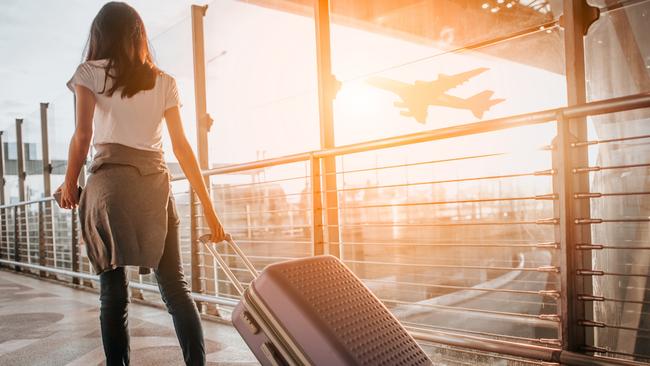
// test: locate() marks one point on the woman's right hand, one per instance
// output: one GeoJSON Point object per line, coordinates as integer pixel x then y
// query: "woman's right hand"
{"type": "Point", "coordinates": [216, 229]}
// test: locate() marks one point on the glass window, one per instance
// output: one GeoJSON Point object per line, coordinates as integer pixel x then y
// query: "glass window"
{"type": "Point", "coordinates": [261, 80]}
{"type": "Point", "coordinates": [422, 65]}
{"type": "Point", "coordinates": [617, 50]}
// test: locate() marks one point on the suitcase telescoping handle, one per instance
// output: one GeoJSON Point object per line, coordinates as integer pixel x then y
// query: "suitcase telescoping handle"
{"type": "Point", "coordinates": [205, 239]}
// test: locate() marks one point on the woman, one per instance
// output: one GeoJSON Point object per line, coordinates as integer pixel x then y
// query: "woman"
{"type": "Point", "coordinates": [127, 214]}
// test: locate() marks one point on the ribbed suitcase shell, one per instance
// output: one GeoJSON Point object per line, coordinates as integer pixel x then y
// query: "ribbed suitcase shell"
{"type": "Point", "coordinates": [316, 311]}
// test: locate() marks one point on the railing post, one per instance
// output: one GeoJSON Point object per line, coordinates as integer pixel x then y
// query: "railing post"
{"type": "Point", "coordinates": [203, 124]}
{"type": "Point", "coordinates": [318, 244]}
{"type": "Point", "coordinates": [42, 253]}
{"type": "Point", "coordinates": [45, 218]}
{"type": "Point", "coordinates": [74, 242]}
{"type": "Point", "coordinates": [16, 238]}
{"type": "Point", "coordinates": [194, 248]}
{"type": "Point", "coordinates": [327, 89]}
{"type": "Point", "coordinates": [563, 186]}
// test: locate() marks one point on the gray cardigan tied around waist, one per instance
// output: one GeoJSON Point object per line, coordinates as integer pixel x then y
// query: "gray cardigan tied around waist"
{"type": "Point", "coordinates": [123, 209]}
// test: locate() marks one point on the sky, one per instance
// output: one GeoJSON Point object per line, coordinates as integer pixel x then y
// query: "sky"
{"type": "Point", "coordinates": [41, 44]}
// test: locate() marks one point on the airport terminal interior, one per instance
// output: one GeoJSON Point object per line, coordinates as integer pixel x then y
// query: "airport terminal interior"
{"type": "Point", "coordinates": [482, 166]}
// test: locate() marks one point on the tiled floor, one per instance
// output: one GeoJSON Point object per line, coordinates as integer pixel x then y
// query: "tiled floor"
{"type": "Point", "coordinates": [43, 323]}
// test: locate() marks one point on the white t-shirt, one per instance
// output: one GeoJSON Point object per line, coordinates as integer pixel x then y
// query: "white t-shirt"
{"type": "Point", "coordinates": [135, 121]}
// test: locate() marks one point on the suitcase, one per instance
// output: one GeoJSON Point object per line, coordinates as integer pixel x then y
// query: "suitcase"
{"type": "Point", "coordinates": [315, 311]}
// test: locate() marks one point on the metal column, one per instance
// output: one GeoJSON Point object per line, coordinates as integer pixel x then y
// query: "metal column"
{"type": "Point", "coordinates": [203, 119]}
{"type": "Point", "coordinates": [20, 159]}
{"type": "Point", "coordinates": [327, 88]}
{"type": "Point", "coordinates": [45, 208]}
{"type": "Point", "coordinates": [577, 18]}
{"type": "Point", "coordinates": [47, 166]}
{"type": "Point", "coordinates": [567, 235]}
{"type": "Point", "coordinates": [203, 123]}
{"type": "Point", "coordinates": [19, 213]}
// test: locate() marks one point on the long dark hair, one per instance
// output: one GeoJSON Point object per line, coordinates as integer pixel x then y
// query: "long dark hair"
{"type": "Point", "coordinates": [118, 34]}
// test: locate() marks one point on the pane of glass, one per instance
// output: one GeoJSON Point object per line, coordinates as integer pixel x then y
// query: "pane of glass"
{"type": "Point", "coordinates": [447, 24]}
{"type": "Point", "coordinates": [173, 53]}
{"type": "Point", "coordinates": [394, 83]}
{"type": "Point", "coordinates": [617, 51]}
{"type": "Point", "coordinates": [180, 190]}
{"type": "Point", "coordinates": [61, 125]}
{"type": "Point", "coordinates": [268, 211]}
{"type": "Point", "coordinates": [453, 234]}
{"type": "Point", "coordinates": [33, 151]}
{"type": "Point", "coordinates": [620, 150]}
{"type": "Point", "coordinates": [261, 80]}
{"type": "Point", "coordinates": [11, 165]}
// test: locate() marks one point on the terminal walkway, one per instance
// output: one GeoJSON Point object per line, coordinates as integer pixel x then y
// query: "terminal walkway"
{"type": "Point", "coordinates": [44, 323]}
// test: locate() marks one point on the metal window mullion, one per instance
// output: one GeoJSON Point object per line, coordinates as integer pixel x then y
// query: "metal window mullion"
{"type": "Point", "coordinates": [47, 166]}
{"type": "Point", "coordinates": [578, 15]}
{"type": "Point", "coordinates": [326, 94]}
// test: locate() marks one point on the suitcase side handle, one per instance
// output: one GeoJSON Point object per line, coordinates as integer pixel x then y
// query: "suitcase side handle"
{"type": "Point", "coordinates": [205, 239]}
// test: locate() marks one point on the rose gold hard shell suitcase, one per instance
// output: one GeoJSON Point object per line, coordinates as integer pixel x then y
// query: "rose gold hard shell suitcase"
{"type": "Point", "coordinates": [315, 311]}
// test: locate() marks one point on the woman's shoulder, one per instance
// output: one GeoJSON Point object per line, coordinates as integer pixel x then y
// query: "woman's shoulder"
{"type": "Point", "coordinates": [167, 81]}
{"type": "Point", "coordinates": [166, 76]}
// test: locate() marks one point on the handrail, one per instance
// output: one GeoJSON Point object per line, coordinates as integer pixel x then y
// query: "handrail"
{"type": "Point", "coordinates": [140, 286]}
{"type": "Point", "coordinates": [25, 203]}
{"type": "Point", "coordinates": [604, 106]}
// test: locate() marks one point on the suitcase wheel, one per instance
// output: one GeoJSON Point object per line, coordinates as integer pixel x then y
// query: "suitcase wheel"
{"type": "Point", "coordinates": [250, 322]}
{"type": "Point", "coordinates": [272, 354]}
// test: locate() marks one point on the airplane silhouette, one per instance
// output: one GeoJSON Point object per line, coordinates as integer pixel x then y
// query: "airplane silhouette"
{"type": "Point", "coordinates": [417, 97]}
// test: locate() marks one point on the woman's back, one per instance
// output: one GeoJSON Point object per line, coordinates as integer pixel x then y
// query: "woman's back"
{"type": "Point", "coordinates": [136, 121]}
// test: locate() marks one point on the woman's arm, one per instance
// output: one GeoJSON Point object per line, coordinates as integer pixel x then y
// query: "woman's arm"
{"type": "Point", "coordinates": [187, 160]}
{"type": "Point", "coordinates": [79, 144]}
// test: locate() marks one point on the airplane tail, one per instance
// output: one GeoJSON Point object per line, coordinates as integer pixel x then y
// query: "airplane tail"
{"type": "Point", "coordinates": [481, 103]}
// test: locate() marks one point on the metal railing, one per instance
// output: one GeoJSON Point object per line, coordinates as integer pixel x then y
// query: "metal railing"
{"type": "Point", "coordinates": [469, 250]}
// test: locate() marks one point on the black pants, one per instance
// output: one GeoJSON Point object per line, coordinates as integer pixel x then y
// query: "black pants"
{"type": "Point", "coordinates": [175, 293]}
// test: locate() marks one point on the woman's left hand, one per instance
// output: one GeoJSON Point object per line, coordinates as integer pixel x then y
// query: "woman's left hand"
{"type": "Point", "coordinates": [69, 195]}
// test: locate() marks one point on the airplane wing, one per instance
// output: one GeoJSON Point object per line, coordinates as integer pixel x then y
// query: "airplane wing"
{"type": "Point", "coordinates": [418, 111]}
{"type": "Point", "coordinates": [393, 86]}
{"type": "Point", "coordinates": [446, 82]}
